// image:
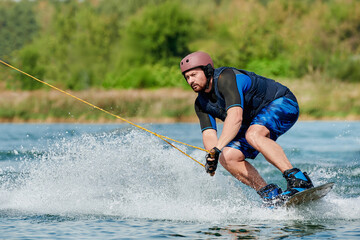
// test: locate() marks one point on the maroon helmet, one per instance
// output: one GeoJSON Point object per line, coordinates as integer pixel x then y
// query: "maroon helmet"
{"type": "Point", "coordinates": [194, 60]}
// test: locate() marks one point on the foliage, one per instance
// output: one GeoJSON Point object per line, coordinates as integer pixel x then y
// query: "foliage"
{"type": "Point", "coordinates": [138, 43]}
{"type": "Point", "coordinates": [17, 25]}
{"type": "Point", "coordinates": [146, 76]}
{"type": "Point", "coordinates": [152, 42]}
{"type": "Point", "coordinates": [51, 105]}
{"type": "Point", "coordinates": [159, 33]}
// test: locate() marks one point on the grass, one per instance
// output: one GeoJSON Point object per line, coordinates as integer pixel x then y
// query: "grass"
{"type": "Point", "coordinates": [162, 105]}
{"type": "Point", "coordinates": [326, 99]}
{"type": "Point", "coordinates": [319, 99]}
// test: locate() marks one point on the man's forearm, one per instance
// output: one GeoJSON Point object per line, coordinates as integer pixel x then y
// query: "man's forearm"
{"type": "Point", "coordinates": [209, 138]}
{"type": "Point", "coordinates": [231, 127]}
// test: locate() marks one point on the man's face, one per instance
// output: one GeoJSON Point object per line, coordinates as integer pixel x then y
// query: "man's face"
{"type": "Point", "coordinates": [196, 79]}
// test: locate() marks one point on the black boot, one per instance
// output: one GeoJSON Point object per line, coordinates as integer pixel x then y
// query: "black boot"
{"type": "Point", "coordinates": [270, 195]}
{"type": "Point", "coordinates": [297, 181]}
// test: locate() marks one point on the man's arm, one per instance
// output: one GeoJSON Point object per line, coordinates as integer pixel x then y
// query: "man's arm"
{"type": "Point", "coordinates": [208, 127]}
{"type": "Point", "coordinates": [209, 138]}
{"type": "Point", "coordinates": [209, 134]}
{"type": "Point", "coordinates": [231, 127]}
{"type": "Point", "coordinates": [232, 93]}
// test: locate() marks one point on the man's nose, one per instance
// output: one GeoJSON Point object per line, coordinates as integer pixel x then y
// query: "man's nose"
{"type": "Point", "coordinates": [190, 80]}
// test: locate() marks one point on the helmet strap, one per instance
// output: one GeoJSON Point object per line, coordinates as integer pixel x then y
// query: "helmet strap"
{"type": "Point", "coordinates": [209, 72]}
{"type": "Point", "coordinates": [207, 84]}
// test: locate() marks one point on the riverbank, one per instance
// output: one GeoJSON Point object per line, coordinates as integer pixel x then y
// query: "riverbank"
{"type": "Point", "coordinates": [319, 100]}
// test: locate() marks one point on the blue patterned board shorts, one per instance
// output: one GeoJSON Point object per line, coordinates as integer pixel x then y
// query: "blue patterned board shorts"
{"type": "Point", "coordinates": [278, 117]}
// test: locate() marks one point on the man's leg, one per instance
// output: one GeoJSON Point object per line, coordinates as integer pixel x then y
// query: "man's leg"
{"type": "Point", "coordinates": [271, 122]}
{"type": "Point", "coordinates": [297, 181]}
{"type": "Point", "coordinates": [258, 137]}
{"type": "Point", "coordinates": [233, 161]}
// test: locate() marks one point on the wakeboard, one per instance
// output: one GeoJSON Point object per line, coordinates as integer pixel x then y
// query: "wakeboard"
{"type": "Point", "coordinates": [309, 195]}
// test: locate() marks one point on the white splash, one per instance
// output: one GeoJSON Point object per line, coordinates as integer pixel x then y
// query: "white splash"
{"type": "Point", "coordinates": [134, 175]}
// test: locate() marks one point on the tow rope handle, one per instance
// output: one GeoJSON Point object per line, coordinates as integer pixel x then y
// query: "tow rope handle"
{"type": "Point", "coordinates": [212, 153]}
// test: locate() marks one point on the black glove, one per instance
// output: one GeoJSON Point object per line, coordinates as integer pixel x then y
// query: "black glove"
{"type": "Point", "coordinates": [212, 159]}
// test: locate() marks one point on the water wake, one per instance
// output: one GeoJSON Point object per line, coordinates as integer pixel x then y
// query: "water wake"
{"type": "Point", "coordinates": [129, 174]}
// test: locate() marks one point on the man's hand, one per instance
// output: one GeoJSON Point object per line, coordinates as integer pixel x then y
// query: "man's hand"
{"type": "Point", "coordinates": [212, 159]}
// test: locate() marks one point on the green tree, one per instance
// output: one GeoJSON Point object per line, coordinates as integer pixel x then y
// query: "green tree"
{"type": "Point", "coordinates": [159, 33]}
{"type": "Point", "coordinates": [30, 64]}
{"type": "Point", "coordinates": [138, 43]}
{"type": "Point", "coordinates": [153, 41]}
{"type": "Point", "coordinates": [18, 25]}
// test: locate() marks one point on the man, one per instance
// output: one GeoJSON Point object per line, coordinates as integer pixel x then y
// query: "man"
{"type": "Point", "coordinates": [256, 111]}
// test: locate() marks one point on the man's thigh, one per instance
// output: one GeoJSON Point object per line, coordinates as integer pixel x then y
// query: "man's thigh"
{"type": "Point", "coordinates": [278, 116]}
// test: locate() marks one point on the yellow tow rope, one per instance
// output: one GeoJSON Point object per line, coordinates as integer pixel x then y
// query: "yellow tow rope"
{"type": "Point", "coordinates": [164, 138]}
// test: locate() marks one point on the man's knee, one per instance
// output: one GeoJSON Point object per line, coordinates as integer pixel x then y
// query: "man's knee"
{"type": "Point", "coordinates": [230, 156]}
{"type": "Point", "coordinates": [255, 132]}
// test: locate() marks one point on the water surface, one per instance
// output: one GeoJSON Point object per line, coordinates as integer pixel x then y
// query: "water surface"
{"type": "Point", "coordinates": [111, 181]}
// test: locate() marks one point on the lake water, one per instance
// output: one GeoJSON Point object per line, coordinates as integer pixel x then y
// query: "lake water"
{"type": "Point", "coordinates": [111, 181]}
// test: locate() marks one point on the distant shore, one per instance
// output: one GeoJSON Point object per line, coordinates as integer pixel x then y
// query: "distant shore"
{"type": "Point", "coordinates": [318, 101]}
